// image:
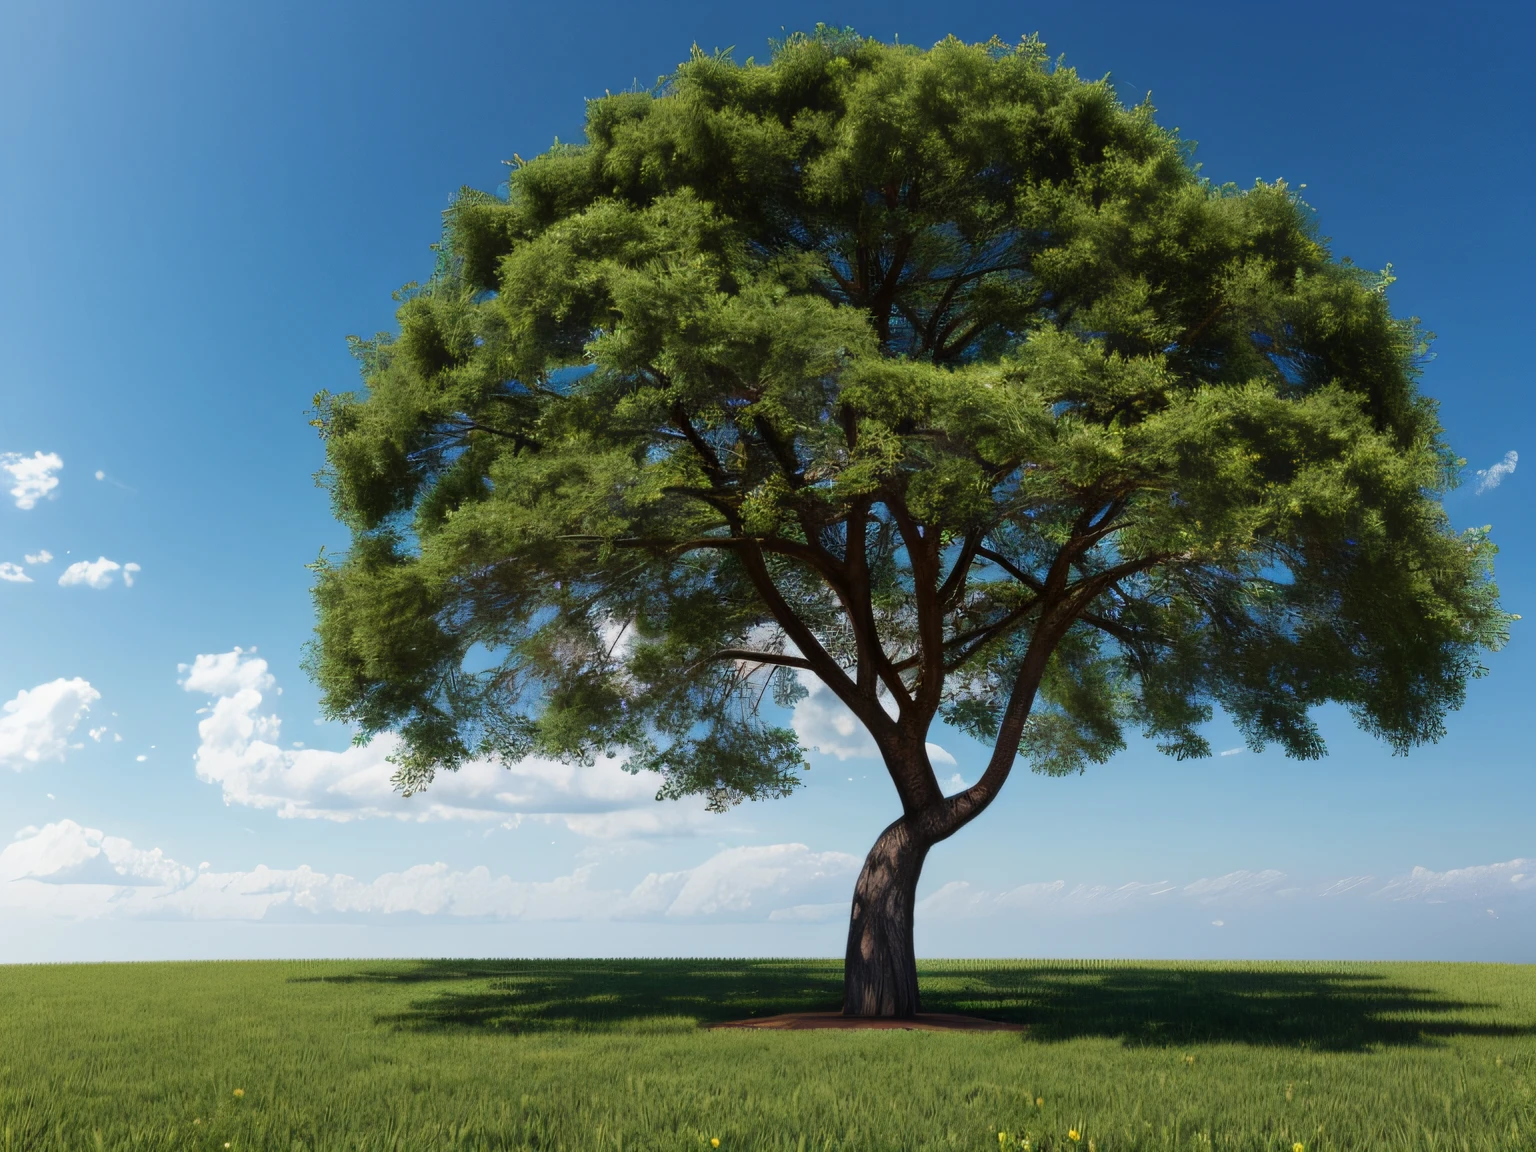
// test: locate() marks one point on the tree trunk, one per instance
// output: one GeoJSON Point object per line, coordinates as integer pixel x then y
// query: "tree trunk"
{"type": "Point", "coordinates": [880, 969]}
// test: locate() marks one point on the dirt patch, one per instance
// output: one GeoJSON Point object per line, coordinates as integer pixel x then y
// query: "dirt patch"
{"type": "Point", "coordinates": [922, 1022]}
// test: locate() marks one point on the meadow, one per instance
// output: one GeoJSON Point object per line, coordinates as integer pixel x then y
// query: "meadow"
{"type": "Point", "coordinates": [618, 1055]}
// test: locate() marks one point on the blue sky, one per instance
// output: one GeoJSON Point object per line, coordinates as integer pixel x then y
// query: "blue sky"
{"type": "Point", "coordinates": [199, 202]}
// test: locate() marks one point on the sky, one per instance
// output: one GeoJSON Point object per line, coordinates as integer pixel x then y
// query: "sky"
{"type": "Point", "coordinates": [198, 203]}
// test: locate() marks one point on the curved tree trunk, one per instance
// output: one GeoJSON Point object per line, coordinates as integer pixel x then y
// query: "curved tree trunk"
{"type": "Point", "coordinates": [880, 969]}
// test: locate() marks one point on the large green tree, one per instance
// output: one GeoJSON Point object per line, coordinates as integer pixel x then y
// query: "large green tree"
{"type": "Point", "coordinates": [940, 376]}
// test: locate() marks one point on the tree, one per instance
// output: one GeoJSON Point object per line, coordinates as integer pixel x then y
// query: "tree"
{"type": "Point", "coordinates": [939, 376]}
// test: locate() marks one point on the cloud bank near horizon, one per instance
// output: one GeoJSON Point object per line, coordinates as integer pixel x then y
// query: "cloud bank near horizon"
{"type": "Point", "coordinates": [66, 871]}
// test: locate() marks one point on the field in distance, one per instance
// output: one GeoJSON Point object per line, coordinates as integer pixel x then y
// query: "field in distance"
{"type": "Point", "coordinates": [493, 1054]}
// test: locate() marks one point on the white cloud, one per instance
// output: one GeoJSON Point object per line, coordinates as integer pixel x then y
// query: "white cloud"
{"type": "Point", "coordinates": [1492, 477]}
{"type": "Point", "coordinates": [41, 557]}
{"type": "Point", "coordinates": [1463, 884]}
{"type": "Point", "coordinates": [66, 870]}
{"type": "Point", "coordinates": [1234, 884]}
{"type": "Point", "coordinates": [240, 749]}
{"type": "Point", "coordinates": [97, 573]}
{"type": "Point", "coordinates": [1347, 884]}
{"type": "Point", "coordinates": [823, 724]}
{"type": "Point", "coordinates": [33, 475]}
{"type": "Point", "coordinates": [732, 880]}
{"type": "Point", "coordinates": [1475, 885]}
{"type": "Point", "coordinates": [14, 573]}
{"type": "Point", "coordinates": [36, 724]}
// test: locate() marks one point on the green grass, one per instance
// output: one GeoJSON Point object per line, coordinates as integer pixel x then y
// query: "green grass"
{"type": "Point", "coordinates": [611, 1055]}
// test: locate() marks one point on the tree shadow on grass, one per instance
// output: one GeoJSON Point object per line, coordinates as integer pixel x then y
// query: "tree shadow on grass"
{"type": "Point", "coordinates": [583, 995]}
{"type": "Point", "coordinates": [1329, 1009]}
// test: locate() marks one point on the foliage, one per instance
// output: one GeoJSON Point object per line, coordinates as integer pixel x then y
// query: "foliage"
{"type": "Point", "coordinates": [939, 375]}
{"type": "Point", "coordinates": [506, 1055]}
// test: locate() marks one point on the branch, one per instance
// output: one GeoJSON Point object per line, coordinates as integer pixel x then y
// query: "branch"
{"type": "Point", "coordinates": [820, 661]}
{"type": "Point", "coordinates": [783, 454]}
{"type": "Point", "coordinates": [748, 656]}
{"type": "Point", "coordinates": [1199, 329]}
{"type": "Point", "coordinates": [978, 638]}
{"type": "Point", "coordinates": [954, 583]}
{"type": "Point", "coordinates": [930, 617]}
{"type": "Point", "coordinates": [517, 438]}
{"type": "Point", "coordinates": [952, 348]}
{"type": "Point", "coordinates": [1113, 627]}
{"type": "Point", "coordinates": [1011, 568]}
{"type": "Point", "coordinates": [1099, 581]}
{"type": "Point", "coordinates": [718, 476]}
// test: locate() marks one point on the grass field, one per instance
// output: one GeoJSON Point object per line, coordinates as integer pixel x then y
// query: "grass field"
{"type": "Point", "coordinates": [613, 1055]}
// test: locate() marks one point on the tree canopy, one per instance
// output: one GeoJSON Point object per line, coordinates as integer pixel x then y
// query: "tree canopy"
{"type": "Point", "coordinates": [941, 376]}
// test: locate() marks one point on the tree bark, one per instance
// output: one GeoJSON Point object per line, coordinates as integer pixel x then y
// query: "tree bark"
{"type": "Point", "coordinates": [880, 968]}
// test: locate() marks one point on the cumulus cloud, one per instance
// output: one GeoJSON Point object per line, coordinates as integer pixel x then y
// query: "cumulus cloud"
{"type": "Point", "coordinates": [98, 573]}
{"type": "Point", "coordinates": [36, 724]}
{"type": "Point", "coordinates": [1492, 477]}
{"type": "Point", "coordinates": [70, 871]}
{"type": "Point", "coordinates": [824, 725]}
{"type": "Point", "coordinates": [240, 749]}
{"type": "Point", "coordinates": [14, 573]}
{"type": "Point", "coordinates": [43, 556]}
{"type": "Point", "coordinates": [32, 476]}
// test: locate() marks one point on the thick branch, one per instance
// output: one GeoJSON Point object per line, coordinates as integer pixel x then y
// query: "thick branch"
{"type": "Point", "coordinates": [965, 806]}
{"type": "Point", "coordinates": [716, 472]}
{"type": "Point", "coordinates": [830, 672]}
{"type": "Point", "coordinates": [954, 584]}
{"type": "Point", "coordinates": [923, 559]}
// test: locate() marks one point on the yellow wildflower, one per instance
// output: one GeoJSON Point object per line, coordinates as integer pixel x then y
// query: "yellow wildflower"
{"type": "Point", "coordinates": [1298, 1147]}
{"type": "Point", "coordinates": [714, 1141]}
{"type": "Point", "coordinates": [239, 1091]}
{"type": "Point", "coordinates": [1039, 1101]}
{"type": "Point", "coordinates": [1072, 1135]}
{"type": "Point", "coordinates": [1002, 1137]}
{"type": "Point", "coordinates": [1190, 1060]}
